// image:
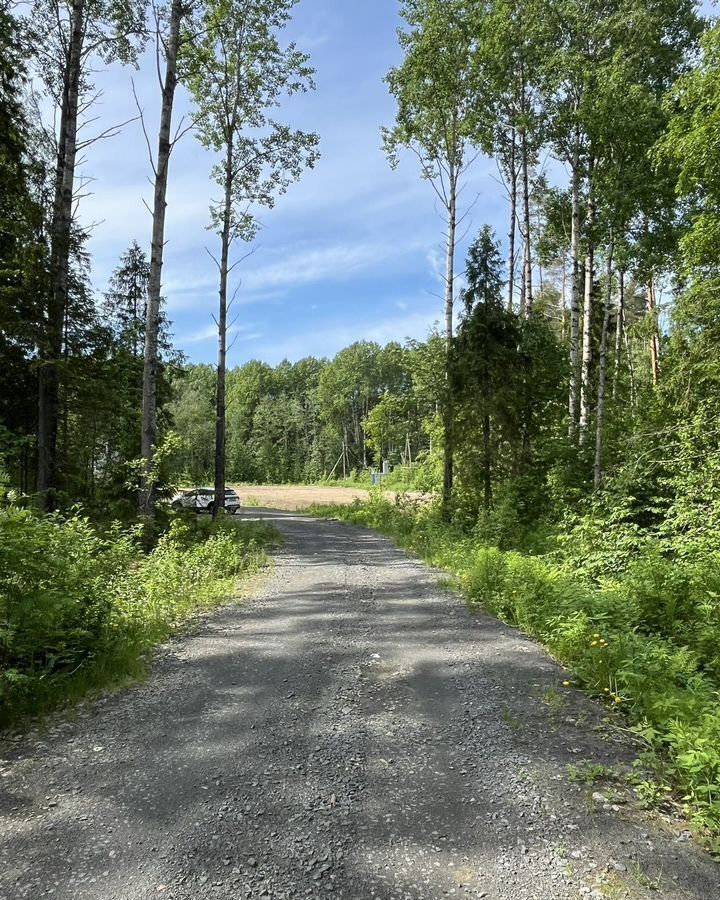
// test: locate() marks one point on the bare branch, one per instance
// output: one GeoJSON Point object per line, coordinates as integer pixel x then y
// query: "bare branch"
{"type": "Point", "coordinates": [141, 117]}
{"type": "Point", "coordinates": [112, 131]}
{"type": "Point", "coordinates": [213, 258]}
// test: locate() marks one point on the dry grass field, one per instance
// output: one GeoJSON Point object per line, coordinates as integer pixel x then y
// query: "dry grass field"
{"type": "Point", "coordinates": [297, 496]}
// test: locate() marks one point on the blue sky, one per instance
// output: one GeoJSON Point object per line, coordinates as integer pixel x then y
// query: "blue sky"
{"type": "Point", "coordinates": [352, 251]}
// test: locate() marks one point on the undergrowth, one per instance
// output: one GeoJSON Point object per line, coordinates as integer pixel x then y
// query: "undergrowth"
{"type": "Point", "coordinates": [644, 638]}
{"type": "Point", "coordinates": [80, 607]}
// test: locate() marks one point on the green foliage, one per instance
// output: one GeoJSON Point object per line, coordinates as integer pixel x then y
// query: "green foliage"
{"type": "Point", "coordinates": [589, 773]}
{"type": "Point", "coordinates": [434, 89]}
{"type": "Point", "coordinates": [79, 608]}
{"type": "Point", "coordinates": [508, 389]}
{"type": "Point", "coordinates": [317, 418]}
{"type": "Point", "coordinates": [691, 144]}
{"type": "Point", "coordinates": [237, 72]}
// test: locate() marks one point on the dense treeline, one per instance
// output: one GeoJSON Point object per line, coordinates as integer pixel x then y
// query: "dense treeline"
{"type": "Point", "coordinates": [594, 236]}
{"type": "Point", "coordinates": [564, 348]}
{"type": "Point", "coordinates": [317, 418]}
{"type": "Point", "coordinates": [585, 335]}
{"type": "Point", "coordinates": [581, 377]}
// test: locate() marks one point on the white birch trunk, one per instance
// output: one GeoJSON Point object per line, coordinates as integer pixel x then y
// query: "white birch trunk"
{"type": "Point", "coordinates": [655, 335]}
{"type": "Point", "coordinates": [602, 374]}
{"type": "Point", "coordinates": [574, 397]}
{"type": "Point", "coordinates": [587, 348]}
{"type": "Point", "coordinates": [222, 332]}
{"type": "Point", "coordinates": [449, 453]}
{"type": "Point", "coordinates": [619, 329]}
{"type": "Point", "coordinates": [146, 501]}
{"type": "Point", "coordinates": [527, 226]}
{"type": "Point", "coordinates": [513, 223]}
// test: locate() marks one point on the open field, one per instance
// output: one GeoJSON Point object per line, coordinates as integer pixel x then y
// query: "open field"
{"type": "Point", "coordinates": [299, 496]}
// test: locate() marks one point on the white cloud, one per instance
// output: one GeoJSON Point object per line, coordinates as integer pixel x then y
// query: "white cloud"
{"type": "Point", "coordinates": [333, 261]}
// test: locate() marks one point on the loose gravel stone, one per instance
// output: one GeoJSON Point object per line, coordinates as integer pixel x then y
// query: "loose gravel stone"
{"type": "Point", "coordinates": [351, 733]}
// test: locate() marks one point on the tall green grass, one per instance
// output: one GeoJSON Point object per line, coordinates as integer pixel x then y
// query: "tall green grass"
{"type": "Point", "coordinates": [80, 608]}
{"type": "Point", "coordinates": [645, 639]}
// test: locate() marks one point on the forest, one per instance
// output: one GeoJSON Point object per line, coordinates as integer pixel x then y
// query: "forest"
{"type": "Point", "coordinates": [561, 419]}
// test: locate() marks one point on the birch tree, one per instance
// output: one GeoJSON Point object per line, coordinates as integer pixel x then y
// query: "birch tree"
{"type": "Point", "coordinates": [631, 198]}
{"type": "Point", "coordinates": [238, 72]}
{"type": "Point", "coordinates": [68, 36]}
{"type": "Point", "coordinates": [512, 36]}
{"type": "Point", "coordinates": [167, 46]}
{"type": "Point", "coordinates": [436, 93]}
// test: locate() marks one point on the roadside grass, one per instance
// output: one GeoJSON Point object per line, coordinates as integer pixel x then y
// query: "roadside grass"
{"type": "Point", "coordinates": [626, 640]}
{"type": "Point", "coordinates": [399, 482]}
{"type": "Point", "coordinates": [81, 608]}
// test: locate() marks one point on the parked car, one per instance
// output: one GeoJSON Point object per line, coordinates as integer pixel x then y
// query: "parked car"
{"type": "Point", "coordinates": [203, 500]}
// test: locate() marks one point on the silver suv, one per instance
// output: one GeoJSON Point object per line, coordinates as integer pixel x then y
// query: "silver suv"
{"type": "Point", "coordinates": [203, 500]}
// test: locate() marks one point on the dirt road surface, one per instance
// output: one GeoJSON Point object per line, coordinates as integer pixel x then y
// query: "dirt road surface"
{"type": "Point", "coordinates": [352, 732]}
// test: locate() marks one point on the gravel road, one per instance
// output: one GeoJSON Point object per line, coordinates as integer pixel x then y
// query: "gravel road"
{"type": "Point", "coordinates": [353, 733]}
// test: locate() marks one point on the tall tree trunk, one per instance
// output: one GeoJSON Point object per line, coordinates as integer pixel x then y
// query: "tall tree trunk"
{"type": "Point", "coordinates": [527, 227]}
{"type": "Point", "coordinates": [146, 500]}
{"type": "Point", "coordinates": [587, 349]}
{"type": "Point", "coordinates": [602, 375]}
{"type": "Point", "coordinates": [655, 334]}
{"type": "Point", "coordinates": [449, 451]}
{"type": "Point", "coordinates": [574, 398]}
{"type": "Point", "coordinates": [540, 277]}
{"type": "Point", "coordinates": [563, 299]}
{"type": "Point", "coordinates": [222, 335]}
{"type": "Point", "coordinates": [487, 463]}
{"type": "Point", "coordinates": [619, 329]}
{"type": "Point", "coordinates": [631, 365]}
{"type": "Point", "coordinates": [61, 229]}
{"type": "Point", "coordinates": [513, 222]}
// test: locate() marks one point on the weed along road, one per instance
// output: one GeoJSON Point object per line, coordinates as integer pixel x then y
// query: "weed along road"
{"type": "Point", "coordinates": [351, 732]}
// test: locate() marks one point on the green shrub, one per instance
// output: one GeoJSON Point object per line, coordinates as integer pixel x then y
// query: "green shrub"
{"type": "Point", "coordinates": [79, 607]}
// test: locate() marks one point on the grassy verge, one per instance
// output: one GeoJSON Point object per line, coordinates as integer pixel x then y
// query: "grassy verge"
{"type": "Point", "coordinates": [645, 643]}
{"type": "Point", "coordinates": [81, 608]}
